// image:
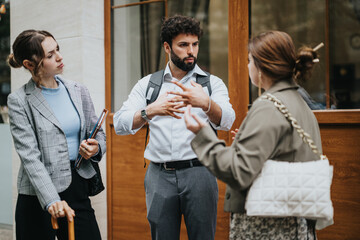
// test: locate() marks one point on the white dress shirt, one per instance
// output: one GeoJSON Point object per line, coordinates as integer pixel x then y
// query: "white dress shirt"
{"type": "Point", "coordinates": [169, 138]}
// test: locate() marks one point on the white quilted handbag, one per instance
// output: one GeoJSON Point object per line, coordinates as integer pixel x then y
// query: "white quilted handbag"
{"type": "Point", "coordinates": [300, 189]}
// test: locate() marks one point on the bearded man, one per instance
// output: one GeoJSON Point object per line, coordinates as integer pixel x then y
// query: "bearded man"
{"type": "Point", "coordinates": [176, 183]}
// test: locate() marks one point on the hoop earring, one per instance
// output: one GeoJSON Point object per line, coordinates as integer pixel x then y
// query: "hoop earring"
{"type": "Point", "coordinates": [259, 85]}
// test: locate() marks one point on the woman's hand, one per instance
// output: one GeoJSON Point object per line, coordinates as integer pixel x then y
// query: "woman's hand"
{"type": "Point", "coordinates": [194, 126]}
{"type": "Point", "coordinates": [234, 133]}
{"type": "Point", "coordinates": [61, 209]}
{"type": "Point", "coordinates": [89, 148]}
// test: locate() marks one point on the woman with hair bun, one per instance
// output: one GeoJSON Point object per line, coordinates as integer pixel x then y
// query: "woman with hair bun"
{"type": "Point", "coordinates": [50, 121]}
{"type": "Point", "coordinates": [264, 134]}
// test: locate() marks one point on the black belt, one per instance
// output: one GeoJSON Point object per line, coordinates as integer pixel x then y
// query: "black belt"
{"type": "Point", "coordinates": [176, 165]}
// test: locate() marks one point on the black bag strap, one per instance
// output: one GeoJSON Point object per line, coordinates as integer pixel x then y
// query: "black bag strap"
{"type": "Point", "coordinates": [154, 86]}
{"type": "Point", "coordinates": [204, 81]}
{"type": "Point", "coordinates": [152, 93]}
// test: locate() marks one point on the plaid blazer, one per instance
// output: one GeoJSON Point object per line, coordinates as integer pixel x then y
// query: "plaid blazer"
{"type": "Point", "coordinates": [41, 143]}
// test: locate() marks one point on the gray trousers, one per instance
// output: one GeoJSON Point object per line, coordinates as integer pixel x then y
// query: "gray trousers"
{"type": "Point", "coordinates": [192, 192]}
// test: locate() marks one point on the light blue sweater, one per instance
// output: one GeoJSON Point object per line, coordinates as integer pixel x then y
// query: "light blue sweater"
{"type": "Point", "coordinates": [67, 115]}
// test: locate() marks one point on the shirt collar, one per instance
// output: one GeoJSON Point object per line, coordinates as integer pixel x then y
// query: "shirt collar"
{"type": "Point", "coordinates": [196, 71]}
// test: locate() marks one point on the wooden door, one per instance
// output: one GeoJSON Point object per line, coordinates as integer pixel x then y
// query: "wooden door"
{"type": "Point", "coordinates": [340, 134]}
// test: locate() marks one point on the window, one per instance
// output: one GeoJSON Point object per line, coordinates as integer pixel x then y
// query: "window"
{"type": "Point", "coordinates": [344, 53]}
{"type": "Point", "coordinates": [4, 52]}
{"type": "Point", "coordinates": [335, 82]}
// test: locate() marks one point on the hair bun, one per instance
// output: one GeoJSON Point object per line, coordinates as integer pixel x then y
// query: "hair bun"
{"type": "Point", "coordinates": [12, 62]}
{"type": "Point", "coordinates": [304, 63]}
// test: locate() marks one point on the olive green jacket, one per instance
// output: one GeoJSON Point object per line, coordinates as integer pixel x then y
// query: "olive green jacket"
{"type": "Point", "coordinates": [264, 134]}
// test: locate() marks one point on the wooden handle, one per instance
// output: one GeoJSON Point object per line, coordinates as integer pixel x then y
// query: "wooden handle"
{"type": "Point", "coordinates": [54, 223]}
{"type": "Point", "coordinates": [71, 231]}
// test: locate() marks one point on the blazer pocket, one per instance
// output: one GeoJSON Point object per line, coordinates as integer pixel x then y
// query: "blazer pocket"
{"type": "Point", "coordinates": [53, 146]}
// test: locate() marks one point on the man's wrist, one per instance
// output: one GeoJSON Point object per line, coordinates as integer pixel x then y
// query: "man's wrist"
{"type": "Point", "coordinates": [207, 107]}
{"type": "Point", "coordinates": [144, 115]}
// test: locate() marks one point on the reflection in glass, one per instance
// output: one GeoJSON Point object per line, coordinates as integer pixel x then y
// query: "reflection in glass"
{"type": "Point", "coordinates": [136, 47]}
{"type": "Point", "coordinates": [4, 52]}
{"type": "Point", "coordinates": [304, 21]}
{"type": "Point", "coordinates": [344, 37]}
{"type": "Point", "coordinates": [6, 171]}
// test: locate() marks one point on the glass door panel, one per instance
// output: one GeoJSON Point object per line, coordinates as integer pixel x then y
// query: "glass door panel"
{"type": "Point", "coordinates": [344, 52]}
{"type": "Point", "coordinates": [305, 22]}
{"type": "Point", "coordinates": [136, 51]}
{"type": "Point", "coordinates": [335, 83]}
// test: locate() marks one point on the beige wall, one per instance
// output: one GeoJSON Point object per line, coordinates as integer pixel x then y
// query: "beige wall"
{"type": "Point", "coordinates": [78, 27]}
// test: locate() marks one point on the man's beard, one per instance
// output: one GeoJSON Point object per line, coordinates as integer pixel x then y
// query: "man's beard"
{"type": "Point", "coordinates": [180, 63]}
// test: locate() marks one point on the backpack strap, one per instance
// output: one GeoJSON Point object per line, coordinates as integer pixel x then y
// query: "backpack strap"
{"type": "Point", "coordinates": [152, 93]}
{"type": "Point", "coordinates": [153, 88]}
{"type": "Point", "coordinates": [204, 81]}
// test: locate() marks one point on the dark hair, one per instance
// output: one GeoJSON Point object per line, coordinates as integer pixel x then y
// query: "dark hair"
{"type": "Point", "coordinates": [275, 55]}
{"type": "Point", "coordinates": [27, 46]}
{"type": "Point", "coordinates": [173, 26]}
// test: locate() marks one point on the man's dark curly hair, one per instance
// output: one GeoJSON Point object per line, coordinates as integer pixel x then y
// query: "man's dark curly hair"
{"type": "Point", "coordinates": [176, 25]}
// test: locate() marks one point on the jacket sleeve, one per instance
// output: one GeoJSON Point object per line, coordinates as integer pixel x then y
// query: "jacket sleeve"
{"type": "Point", "coordinates": [239, 164]}
{"type": "Point", "coordinates": [26, 145]}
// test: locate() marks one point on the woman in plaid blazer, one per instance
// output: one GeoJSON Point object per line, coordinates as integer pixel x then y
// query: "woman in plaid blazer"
{"type": "Point", "coordinates": [49, 116]}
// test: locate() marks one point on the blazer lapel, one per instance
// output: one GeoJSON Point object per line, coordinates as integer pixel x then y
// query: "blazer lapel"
{"type": "Point", "coordinates": [75, 95]}
{"type": "Point", "coordinates": [38, 101]}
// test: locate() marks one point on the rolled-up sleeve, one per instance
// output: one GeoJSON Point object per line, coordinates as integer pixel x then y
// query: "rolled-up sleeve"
{"type": "Point", "coordinates": [123, 119]}
{"type": "Point", "coordinates": [220, 95]}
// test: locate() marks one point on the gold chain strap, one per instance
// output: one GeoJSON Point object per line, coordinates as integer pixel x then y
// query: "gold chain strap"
{"type": "Point", "coordinates": [283, 109]}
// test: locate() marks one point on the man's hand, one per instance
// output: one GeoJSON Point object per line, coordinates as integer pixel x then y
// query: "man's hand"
{"type": "Point", "coordinates": [194, 96]}
{"type": "Point", "coordinates": [164, 106]}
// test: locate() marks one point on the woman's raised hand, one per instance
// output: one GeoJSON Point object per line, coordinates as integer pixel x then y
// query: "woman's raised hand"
{"type": "Point", "coordinates": [194, 126]}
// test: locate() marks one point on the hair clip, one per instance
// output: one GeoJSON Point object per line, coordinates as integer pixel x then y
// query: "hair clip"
{"type": "Point", "coordinates": [318, 47]}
